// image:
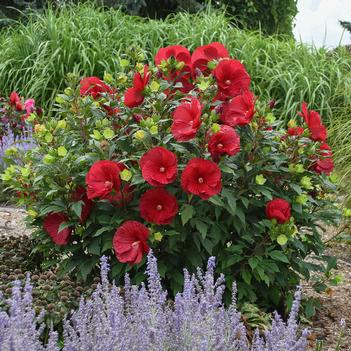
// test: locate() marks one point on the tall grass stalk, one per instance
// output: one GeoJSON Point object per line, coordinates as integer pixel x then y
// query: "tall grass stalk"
{"type": "Point", "coordinates": [34, 58]}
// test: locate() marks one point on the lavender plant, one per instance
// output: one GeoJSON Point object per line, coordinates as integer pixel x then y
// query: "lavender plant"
{"type": "Point", "coordinates": [141, 318]}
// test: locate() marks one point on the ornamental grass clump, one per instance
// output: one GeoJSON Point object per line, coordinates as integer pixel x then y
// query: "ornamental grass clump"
{"type": "Point", "coordinates": [181, 157]}
{"type": "Point", "coordinates": [141, 318]}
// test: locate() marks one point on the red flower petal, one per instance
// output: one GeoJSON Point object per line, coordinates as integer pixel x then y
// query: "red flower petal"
{"type": "Point", "coordinates": [201, 177]}
{"type": "Point", "coordinates": [94, 87]}
{"type": "Point", "coordinates": [186, 120]}
{"type": "Point", "coordinates": [52, 224]}
{"type": "Point", "coordinates": [226, 141]}
{"type": "Point", "coordinates": [204, 54]}
{"type": "Point", "coordinates": [240, 110]}
{"type": "Point", "coordinates": [159, 166]}
{"type": "Point", "coordinates": [158, 206]}
{"type": "Point", "coordinates": [103, 179]}
{"type": "Point", "coordinates": [232, 78]}
{"type": "Point", "coordinates": [130, 242]}
{"type": "Point", "coordinates": [278, 209]}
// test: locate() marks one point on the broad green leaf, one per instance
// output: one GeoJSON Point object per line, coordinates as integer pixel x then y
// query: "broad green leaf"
{"type": "Point", "coordinates": [279, 256]}
{"type": "Point", "coordinates": [187, 213]}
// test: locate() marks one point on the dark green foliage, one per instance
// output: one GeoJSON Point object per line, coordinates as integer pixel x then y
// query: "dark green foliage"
{"type": "Point", "coordinates": [346, 25]}
{"type": "Point", "coordinates": [271, 16]}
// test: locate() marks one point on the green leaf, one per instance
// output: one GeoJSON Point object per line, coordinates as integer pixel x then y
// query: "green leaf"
{"type": "Point", "coordinates": [246, 275]}
{"type": "Point", "coordinates": [279, 256]}
{"type": "Point", "coordinates": [201, 227]}
{"type": "Point", "coordinates": [86, 267]}
{"type": "Point", "coordinates": [208, 245]}
{"type": "Point", "coordinates": [187, 213]}
{"type": "Point", "coordinates": [77, 207]}
{"type": "Point", "coordinates": [253, 262]}
{"type": "Point", "coordinates": [216, 200]}
{"type": "Point", "coordinates": [102, 230]}
{"type": "Point", "coordinates": [94, 246]}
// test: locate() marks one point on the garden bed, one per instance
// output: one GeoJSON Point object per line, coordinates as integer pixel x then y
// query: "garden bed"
{"type": "Point", "coordinates": [325, 324]}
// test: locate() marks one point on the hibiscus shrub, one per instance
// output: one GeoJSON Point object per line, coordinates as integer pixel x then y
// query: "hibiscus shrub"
{"type": "Point", "coordinates": [182, 158]}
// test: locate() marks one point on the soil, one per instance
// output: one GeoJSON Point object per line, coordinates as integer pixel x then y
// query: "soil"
{"type": "Point", "coordinates": [335, 303]}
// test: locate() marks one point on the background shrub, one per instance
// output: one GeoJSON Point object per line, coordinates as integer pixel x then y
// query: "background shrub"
{"type": "Point", "coordinates": [270, 16]}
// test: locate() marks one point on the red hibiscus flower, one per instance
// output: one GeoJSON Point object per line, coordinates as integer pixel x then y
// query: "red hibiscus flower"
{"type": "Point", "coordinates": [134, 96]}
{"type": "Point", "coordinates": [232, 78]}
{"type": "Point", "coordinates": [159, 166]}
{"type": "Point", "coordinates": [314, 123]}
{"type": "Point", "coordinates": [93, 86]}
{"type": "Point", "coordinates": [130, 242]}
{"type": "Point", "coordinates": [80, 194]}
{"type": "Point", "coordinates": [205, 54]}
{"type": "Point", "coordinates": [295, 131]}
{"type": "Point", "coordinates": [179, 75]}
{"type": "Point", "coordinates": [325, 150]}
{"type": "Point", "coordinates": [318, 133]}
{"type": "Point", "coordinates": [201, 177]}
{"type": "Point", "coordinates": [15, 101]}
{"type": "Point", "coordinates": [178, 52]}
{"type": "Point", "coordinates": [103, 180]}
{"type": "Point", "coordinates": [278, 209]}
{"type": "Point", "coordinates": [226, 141]}
{"type": "Point", "coordinates": [52, 224]}
{"type": "Point", "coordinates": [324, 166]}
{"type": "Point", "coordinates": [240, 110]}
{"type": "Point", "coordinates": [158, 206]}
{"type": "Point", "coordinates": [186, 120]}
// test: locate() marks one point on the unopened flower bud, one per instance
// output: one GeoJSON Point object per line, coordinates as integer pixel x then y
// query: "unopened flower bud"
{"type": "Point", "coordinates": [302, 199]}
{"type": "Point", "coordinates": [154, 130]}
{"type": "Point", "coordinates": [306, 183]}
{"type": "Point", "coordinates": [126, 175]}
{"type": "Point", "coordinates": [292, 123]}
{"type": "Point", "coordinates": [108, 78]}
{"type": "Point", "coordinates": [48, 159]}
{"type": "Point", "coordinates": [61, 124]}
{"type": "Point", "coordinates": [180, 65]}
{"type": "Point", "coordinates": [271, 104]}
{"type": "Point", "coordinates": [158, 236]}
{"type": "Point", "coordinates": [137, 117]}
{"type": "Point", "coordinates": [216, 128]}
{"type": "Point", "coordinates": [260, 179]}
{"type": "Point", "coordinates": [212, 65]}
{"type": "Point", "coordinates": [140, 135]}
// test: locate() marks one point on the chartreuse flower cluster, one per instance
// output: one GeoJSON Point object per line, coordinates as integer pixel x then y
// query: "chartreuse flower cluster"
{"type": "Point", "coordinates": [181, 157]}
